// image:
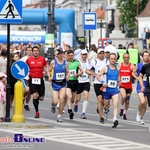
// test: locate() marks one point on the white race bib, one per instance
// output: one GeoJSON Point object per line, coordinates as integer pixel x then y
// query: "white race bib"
{"type": "Point", "coordinates": [72, 72]}
{"type": "Point", "coordinates": [125, 79]}
{"type": "Point", "coordinates": [36, 81]}
{"type": "Point", "coordinates": [112, 83]}
{"type": "Point", "coordinates": [145, 78]}
{"type": "Point", "coordinates": [60, 76]}
{"type": "Point", "coordinates": [84, 76]}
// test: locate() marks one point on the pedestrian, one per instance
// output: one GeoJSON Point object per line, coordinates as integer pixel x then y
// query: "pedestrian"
{"type": "Point", "coordinates": [75, 71]}
{"type": "Point", "coordinates": [36, 65]}
{"type": "Point", "coordinates": [83, 84]}
{"type": "Point", "coordinates": [142, 106]}
{"type": "Point", "coordinates": [25, 81]}
{"type": "Point", "coordinates": [13, 58]}
{"type": "Point", "coordinates": [111, 86]}
{"type": "Point", "coordinates": [125, 84]}
{"type": "Point", "coordinates": [58, 75]}
{"type": "Point", "coordinates": [94, 68]}
{"type": "Point", "coordinates": [2, 96]}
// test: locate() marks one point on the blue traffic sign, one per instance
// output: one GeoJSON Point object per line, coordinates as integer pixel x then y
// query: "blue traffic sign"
{"type": "Point", "coordinates": [11, 11]}
{"type": "Point", "coordinates": [89, 21]}
{"type": "Point", "coordinates": [19, 69]}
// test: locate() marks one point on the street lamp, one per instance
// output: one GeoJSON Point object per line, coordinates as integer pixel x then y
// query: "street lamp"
{"type": "Point", "coordinates": [137, 13]}
{"type": "Point", "coordinates": [51, 24]}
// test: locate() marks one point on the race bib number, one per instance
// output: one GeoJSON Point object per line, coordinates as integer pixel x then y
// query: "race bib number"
{"type": "Point", "coordinates": [112, 83]}
{"type": "Point", "coordinates": [72, 72]}
{"type": "Point", "coordinates": [36, 81]}
{"type": "Point", "coordinates": [60, 76]}
{"type": "Point", "coordinates": [145, 78]}
{"type": "Point", "coordinates": [83, 76]}
{"type": "Point", "coordinates": [125, 79]}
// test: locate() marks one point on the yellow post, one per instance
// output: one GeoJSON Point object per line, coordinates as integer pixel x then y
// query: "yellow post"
{"type": "Point", "coordinates": [18, 103]}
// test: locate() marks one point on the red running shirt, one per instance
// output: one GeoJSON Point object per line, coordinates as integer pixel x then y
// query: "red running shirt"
{"type": "Point", "coordinates": [36, 66]}
{"type": "Point", "coordinates": [126, 76]}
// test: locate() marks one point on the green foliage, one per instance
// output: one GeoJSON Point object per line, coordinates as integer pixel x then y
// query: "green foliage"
{"type": "Point", "coordinates": [128, 11]}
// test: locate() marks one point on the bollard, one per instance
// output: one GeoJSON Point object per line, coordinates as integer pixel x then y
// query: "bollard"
{"type": "Point", "coordinates": [18, 103]}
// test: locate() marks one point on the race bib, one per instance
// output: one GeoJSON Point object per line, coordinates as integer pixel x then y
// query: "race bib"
{"type": "Point", "coordinates": [36, 81]}
{"type": "Point", "coordinates": [125, 79]}
{"type": "Point", "coordinates": [112, 83]}
{"type": "Point", "coordinates": [72, 72]}
{"type": "Point", "coordinates": [60, 76]}
{"type": "Point", "coordinates": [83, 76]}
{"type": "Point", "coordinates": [145, 78]}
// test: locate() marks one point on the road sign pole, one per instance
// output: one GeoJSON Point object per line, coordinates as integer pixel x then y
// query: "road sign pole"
{"type": "Point", "coordinates": [7, 118]}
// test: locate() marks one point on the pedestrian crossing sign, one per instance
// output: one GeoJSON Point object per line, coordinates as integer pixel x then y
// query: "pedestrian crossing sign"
{"type": "Point", "coordinates": [11, 11]}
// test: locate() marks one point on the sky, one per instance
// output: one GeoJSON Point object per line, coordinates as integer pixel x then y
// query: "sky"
{"type": "Point", "coordinates": [24, 2]}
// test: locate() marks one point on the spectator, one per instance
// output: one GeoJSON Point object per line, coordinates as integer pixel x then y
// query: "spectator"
{"type": "Point", "coordinates": [143, 35]}
{"type": "Point", "coordinates": [92, 53]}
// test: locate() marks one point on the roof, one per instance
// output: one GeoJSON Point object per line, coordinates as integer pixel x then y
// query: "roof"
{"type": "Point", "coordinates": [100, 13]}
{"type": "Point", "coordinates": [146, 11]}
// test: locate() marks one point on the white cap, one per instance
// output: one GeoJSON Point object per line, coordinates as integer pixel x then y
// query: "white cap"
{"type": "Point", "coordinates": [100, 50]}
{"type": "Point", "coordinates": [16, 51]}
{"type": "Point", "coordinates": [84, 51]}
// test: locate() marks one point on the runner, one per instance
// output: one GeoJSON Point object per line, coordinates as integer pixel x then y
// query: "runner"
{"type": "Point", "coordinates": [83, 84]}
{"type": "Point", "coordinates": [125, 84]}
{"type": "Point", "coordinates": [58, 74]}
{"type": "Point", "coordinates": [142, 106]}
{"type": "Point", "coordinates": [74, 65]}
{"type": "Point", "coordinates": [36, 65]}
{"type": "Point", "coordinates": [97, 65]}
{"type": "Point", "coordinates": [25, 81]}
{"type": "Point", "coordinates": [111, 91]}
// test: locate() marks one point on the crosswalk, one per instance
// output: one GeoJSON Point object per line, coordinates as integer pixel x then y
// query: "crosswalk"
{"type": "Point", "coordinates": [80, 138]}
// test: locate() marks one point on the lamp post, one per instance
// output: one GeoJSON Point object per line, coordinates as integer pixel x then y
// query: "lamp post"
{"type": "Point", "coordinates": [51, 24]}
{"type": "Point", "coordinates": [137, 13]}
{"type": "Point", "coordinates": [90, 30]}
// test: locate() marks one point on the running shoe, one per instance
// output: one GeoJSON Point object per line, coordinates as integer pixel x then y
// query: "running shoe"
{"type": "Point", "coordinates": [124, 117]}
{"type": "Point", "coordinates": [59, 119]}
{"type": "Point", "coordinates": [102, 121]}
{"type": "Point", "coordinates": [53, 109]}
{"type": "Point", "coordinates": [71, 114]}
{"type": "Point", "coordinates": [115, 124]}
{"type": "Point", "coordinates": [121, 112]}
{"type": "Point", "coordinates": [26, 107]}
{"type": "Point", "coordinates": [2, 119]}
{"type": "Point", "coordinates": [75, 107]}
{"type": "Point", "coordinates": [37, 114]}
{"type": "Point", "coordinates": [83, 116]}
{"type": "Point", "coordinates": [142, 122]}
{"type": "Point", "coordinates": [138, 117]}
{"type": "Point", "coordinates": [106, 114]}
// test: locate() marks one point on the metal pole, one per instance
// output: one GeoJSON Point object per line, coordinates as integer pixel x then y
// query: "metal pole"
{"type": "Point", "coordinates": [90, 30]}
{"type": "Point", "coordinates": [49, 54]}
{"type": "Point", "coordinates": [7, 118]}
{"type": "Point", "coordinates": [137, 13]}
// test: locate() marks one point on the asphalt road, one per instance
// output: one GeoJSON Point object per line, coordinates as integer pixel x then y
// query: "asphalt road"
{"type": "Point", "coordinates": [89, 134]}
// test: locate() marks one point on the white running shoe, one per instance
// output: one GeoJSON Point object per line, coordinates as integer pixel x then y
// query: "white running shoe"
{"type": "Point", "coordinates": [142, 122]}
{"type": "Point", "coordinates": [138, 117]}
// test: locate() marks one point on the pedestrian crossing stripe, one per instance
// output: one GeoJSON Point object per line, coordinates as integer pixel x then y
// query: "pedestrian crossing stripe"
{"type": "Point", "coordinates": [11, 11]}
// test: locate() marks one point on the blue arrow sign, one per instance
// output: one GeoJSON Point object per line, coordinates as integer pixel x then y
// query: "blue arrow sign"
{"type": "Point", "coordinates": [11, 11]}
{"type": "Point", "coordinates": [89, 21]}
{"type": "Point", "coordinates": [19, 69]}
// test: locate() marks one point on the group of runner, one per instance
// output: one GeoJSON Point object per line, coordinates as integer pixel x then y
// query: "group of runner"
{"type": "Point", "coordinates": [70, 77]}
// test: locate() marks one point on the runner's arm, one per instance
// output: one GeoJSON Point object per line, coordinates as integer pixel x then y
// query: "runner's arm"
{"type": "Point", "coordinates": [103, 71]}
{"type": "Point", "coordinates": [67, 72]}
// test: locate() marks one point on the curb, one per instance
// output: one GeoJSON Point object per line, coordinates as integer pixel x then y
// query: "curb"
{"type": "Point", "coordinates": [27, 125]}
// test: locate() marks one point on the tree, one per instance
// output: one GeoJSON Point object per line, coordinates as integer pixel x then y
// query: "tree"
{"type": "Point", "coordinates": [128, 11]}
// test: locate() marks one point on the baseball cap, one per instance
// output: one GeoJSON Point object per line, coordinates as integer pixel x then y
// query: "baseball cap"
{"type": "Point", "coordinates": [100, 50]}
{"type": "Point", "coordinates": [3, 75]}
{"type": "Point", "coordinates": [84, 51]}
{"type": "Point", "coordinates": [58, 51]}
{"type": "Point", "coordinates": [109, 41]}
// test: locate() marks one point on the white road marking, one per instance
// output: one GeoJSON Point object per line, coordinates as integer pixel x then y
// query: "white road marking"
{"type": "Point", "coordinates": [89, 140]}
